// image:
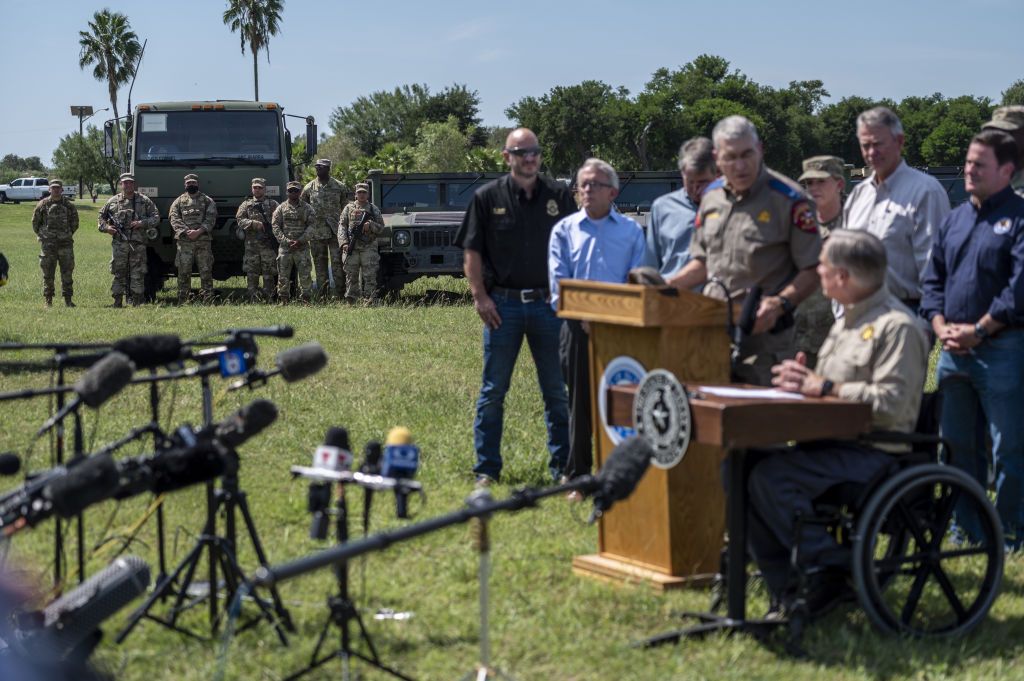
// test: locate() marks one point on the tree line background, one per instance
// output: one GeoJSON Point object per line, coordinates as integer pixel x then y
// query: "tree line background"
{"type": "Point", "coordinates": [411, 129]}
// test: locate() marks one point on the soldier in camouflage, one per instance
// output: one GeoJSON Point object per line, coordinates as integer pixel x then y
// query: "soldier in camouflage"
{"type": "Point", "coordinates": [1010, 119]}
{"type": "Point", "coordinates": [293, 223]}
{"type": "Point", "coordinates": [55, 221]}
{"type": "Point", "coordinates": [358, 228]}
{"type": "Point", "coordinates": [193, 216]}
{"type": "Point", "coordinates": [824, 179]}
{"type": "Point", "coordinates": [327, 196]}
{"type": "Point", "coordinates": [125, 217]}
{"type": "Point", "coordinates": [260, 245]}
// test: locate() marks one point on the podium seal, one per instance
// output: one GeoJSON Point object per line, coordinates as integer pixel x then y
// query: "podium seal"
{"type": "Point", "coordinates": [661, 415]}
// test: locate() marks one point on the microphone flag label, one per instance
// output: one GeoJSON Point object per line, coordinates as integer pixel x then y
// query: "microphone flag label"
{"type": "Point", "coordinates": [400, 461]}
{"type": "Point", "coordinates": [331, 458]}
{"type": "Point", "coordinates": [661, 414]}
{"type": "Point", "coordinates": [232, 362]}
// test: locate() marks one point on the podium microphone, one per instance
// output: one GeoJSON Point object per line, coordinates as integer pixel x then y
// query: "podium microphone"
{"type": "Point", "coordinates": [105, 379]}
{"type": "Point", "coordinates": [401, 461]}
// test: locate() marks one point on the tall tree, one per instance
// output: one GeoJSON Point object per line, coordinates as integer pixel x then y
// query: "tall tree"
{"type": "Point", "coordinates": [112, 48]}
{"type": "Point", "coordinates": [256, 21]}
{"type": "Point", "coordinates": [1014, 94]}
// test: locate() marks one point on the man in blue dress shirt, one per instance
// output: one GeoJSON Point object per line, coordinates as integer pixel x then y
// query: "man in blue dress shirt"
{"type": "Point", "coordinates": [672, 215]}
{"type": "Point", "coordinates": [599, 244]}
{"type": "Point", "coordinates": [974, 299]}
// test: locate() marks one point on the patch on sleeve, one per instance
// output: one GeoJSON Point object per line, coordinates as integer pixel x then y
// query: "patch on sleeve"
{"type": "Point", "coordinates": [803, 218]}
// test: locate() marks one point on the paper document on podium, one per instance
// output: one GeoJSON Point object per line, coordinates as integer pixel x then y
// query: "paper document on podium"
{"type": "Point", "coordinates": [749, 393]}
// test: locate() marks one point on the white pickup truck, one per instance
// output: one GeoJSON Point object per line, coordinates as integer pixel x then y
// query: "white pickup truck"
{"type": "Point", "coordinates": [30, 189]}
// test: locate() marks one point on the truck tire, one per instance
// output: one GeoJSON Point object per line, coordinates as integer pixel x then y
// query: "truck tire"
{"type": "Point", "coordinates": [154, 281]}
{"type": "Point", "coordinates": [3, 197]}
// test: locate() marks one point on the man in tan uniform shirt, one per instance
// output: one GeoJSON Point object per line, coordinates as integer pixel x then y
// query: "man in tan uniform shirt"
{"type": "Point", "coordinates": [876, 353]}
{"type": "Point", "coordinates": [756, 229]}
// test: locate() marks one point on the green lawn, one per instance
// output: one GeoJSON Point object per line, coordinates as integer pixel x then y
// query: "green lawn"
{"type": "Point", "coordinates": [418, 366]}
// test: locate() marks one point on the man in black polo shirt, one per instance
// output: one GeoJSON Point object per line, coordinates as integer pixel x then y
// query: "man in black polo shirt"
{"type": "Point", "coordinates": [505, 236]}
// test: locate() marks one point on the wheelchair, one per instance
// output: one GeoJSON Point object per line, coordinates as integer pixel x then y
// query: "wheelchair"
{"type": "Point", "coordinates": [913, 573]}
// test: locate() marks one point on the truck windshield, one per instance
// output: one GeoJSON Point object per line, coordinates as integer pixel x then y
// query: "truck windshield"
{"type": "Point", "coordinates": [209, 137]}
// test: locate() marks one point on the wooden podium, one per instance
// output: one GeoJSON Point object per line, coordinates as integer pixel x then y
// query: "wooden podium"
{"type": "Point", "coordinates": [669, 532]}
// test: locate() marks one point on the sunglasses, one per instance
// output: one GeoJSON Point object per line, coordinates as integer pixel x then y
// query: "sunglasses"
{"type": "Point", "coordinates": [522, 152]}
{"type": "Point", "coordinates": [293, 191]}
{"type": "Point", "coordinates": [594, 184]}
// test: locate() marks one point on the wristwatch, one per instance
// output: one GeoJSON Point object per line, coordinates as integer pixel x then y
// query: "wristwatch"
{"type": "Point", "coordinates": [787, 305]}
{"type": "Point", "coordinates": [826, 387]}
{"type": "Point", "coordinates": [980, 331]}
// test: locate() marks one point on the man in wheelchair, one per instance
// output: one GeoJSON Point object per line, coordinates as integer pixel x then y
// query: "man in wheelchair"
{"type": "Point", "coordinates": [876, 353]}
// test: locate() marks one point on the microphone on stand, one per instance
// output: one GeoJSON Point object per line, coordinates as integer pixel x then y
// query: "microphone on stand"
{"type": "Point", "coordinates": [105, 379]}
{"type": "Point", "coordinates": [293, 365]}
{"type": "Point", "coordinates": [401, 461]}
{"type": "Point", "coordinates": [333, 455]}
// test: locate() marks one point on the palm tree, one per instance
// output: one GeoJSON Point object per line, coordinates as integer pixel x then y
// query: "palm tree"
{"type": "Point", "coordinates": [112, 46]}
{"type": "Point", "coordinates": [255, 21]}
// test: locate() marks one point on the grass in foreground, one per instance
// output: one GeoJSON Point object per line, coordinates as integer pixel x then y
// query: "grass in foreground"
{"type": "Point", "coordinates": [417, 366]}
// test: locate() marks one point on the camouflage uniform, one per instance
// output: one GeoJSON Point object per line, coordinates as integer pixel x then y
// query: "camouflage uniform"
{"type": "Point", "coordinates": [260, 255]}
{"type": "Point", "coordinates": [327, 200]}
{"type": "Point", "coordinates": [55, 221]}
{"type": "Point", "coordinates": [363, 256]}
{"type": "Point", "coordinates": [763, 237]}
{"type": "Point", "coordinates": [194, 212]}
{"type": "Point", "coordinates": [293, 222]}
{"type": "Point", "coordinates": [128, 259]}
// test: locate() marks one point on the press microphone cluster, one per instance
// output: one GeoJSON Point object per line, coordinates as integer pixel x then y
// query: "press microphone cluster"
{"type": "Point", "coordinates": [614, 482]}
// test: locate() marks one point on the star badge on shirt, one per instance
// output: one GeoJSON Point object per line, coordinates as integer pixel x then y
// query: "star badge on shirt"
{"type": "Point", "coordinates": [764, 216]}
{"type": "Point", "coordinates": [552, 207]}
{"type": "Point", "coordinates": [1003, 226]}
{"type": "Point", "coordinates": [868, 333]}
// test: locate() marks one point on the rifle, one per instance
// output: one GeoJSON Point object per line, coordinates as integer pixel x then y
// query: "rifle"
{"type": "Point", "coordinates": [122, 231]}
{"type": "Point", "coordinates": [268, 231]}
{"type": "Point", "coordinates": [353, 232]}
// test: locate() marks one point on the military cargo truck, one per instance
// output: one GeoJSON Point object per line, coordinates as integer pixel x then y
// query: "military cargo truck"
{"type": "Point", "coordinates": [226, 143]}
{"type": "Point", "coordinates": [423, 211]}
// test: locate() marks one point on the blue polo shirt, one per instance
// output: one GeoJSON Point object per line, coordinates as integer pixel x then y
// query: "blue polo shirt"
{"type": "Point", "coordinates": [977, 263]}
{"type": "Point", "coordinates": [596, 250]}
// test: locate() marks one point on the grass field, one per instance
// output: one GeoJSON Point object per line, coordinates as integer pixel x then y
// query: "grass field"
{"type": "Point", "coordinates": [419, 366]}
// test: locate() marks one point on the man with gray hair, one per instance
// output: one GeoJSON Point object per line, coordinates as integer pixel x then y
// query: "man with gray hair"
{"type": "Point", "coordinates": [900, 205]}
{"type": "Point", "coordinates": [755, 234]}
{"type": "Point", "coordinates": [672, 215]}
{"type": "Point", "coordinates": [876, 353]}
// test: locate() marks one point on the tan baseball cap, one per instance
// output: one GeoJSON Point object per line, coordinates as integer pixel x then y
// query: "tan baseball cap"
{"type": "Point", "coordinates": [56, 183]}
{"type": "Point", "coordinates": [1008, 118]}
{"type": "Point", "coordinates": [326, 162]}
{"type": "Point", "coordinates": [362, 187]}
{"type": "Point", "coordinates": [295, 185]}
{"type": "Point", "coordinates": [191, 177]}
{"type": "Point", "coordinates": [259, 182]}
{"type": "Point", "coordinates": [822, 168]}
{"type": "Point", "coordinates": [126, 177]}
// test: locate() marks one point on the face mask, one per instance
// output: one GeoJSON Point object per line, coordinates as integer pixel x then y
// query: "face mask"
{"type": "Point", "coordinates": [191, 189]}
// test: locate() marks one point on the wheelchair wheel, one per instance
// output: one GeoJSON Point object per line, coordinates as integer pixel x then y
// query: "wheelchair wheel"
{"type": "Point", "coordinates": [911, 576]}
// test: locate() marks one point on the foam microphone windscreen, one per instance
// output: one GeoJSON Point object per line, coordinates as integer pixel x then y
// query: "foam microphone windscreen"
{"type": "Point", "coordinates": [337, 437]}
{"type": "Point", "coordinates": [748, 315]}
{"type": "Point", "coordinates": [72, 618]}
{"type": "Point", "coordinates": [177, 468]}
{"type": "Point", "coordinates": [149, 352]}
{"type": "Point", "coordinates": [10, 463]}
{"type": "Point", "coordinates": [371, 457]}
{"type": "Point", "coordinates": [86, 482]}
{"type": "Point", "coordinates": [246, 422]}
{"type": "Point", "coordinates": [104, 379]}
{"type": "Point", "coordinates": [622, 472]}
{"type": "Point", "coordinates": [298, 362]}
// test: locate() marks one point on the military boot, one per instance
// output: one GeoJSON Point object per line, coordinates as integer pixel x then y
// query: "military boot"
{"type": "Point", "coordinates": [137, 301]}
{"type": "Point", "coordinates": [67, 302]}
{"type": "Point", "coordinates": [48, 300]}
{"type": "Point", "coordinates": [118, 301]}
{"type": "Point", "coordinates": [283, 300]}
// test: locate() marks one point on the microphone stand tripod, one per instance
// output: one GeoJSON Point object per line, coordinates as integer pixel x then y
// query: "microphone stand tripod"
{"type": "Point", "coordinates": [342, 612]}
{"type": "Point", "coordinates": [221, 551]}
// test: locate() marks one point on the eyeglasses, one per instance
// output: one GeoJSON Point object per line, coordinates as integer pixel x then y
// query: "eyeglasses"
{"type": "Point", "coordinates": [523, 152]}
{"type": "Point", "coordinates": [293, 190]}
{"type": "Point", "coordinates": [594, 184]}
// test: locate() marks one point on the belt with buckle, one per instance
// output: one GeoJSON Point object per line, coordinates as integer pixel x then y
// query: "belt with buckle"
{"type": "Point", "coordinates": [525, 295]}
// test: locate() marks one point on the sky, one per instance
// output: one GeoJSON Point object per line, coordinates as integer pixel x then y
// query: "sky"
{"type": "Point", "coordinates": [330, 52]}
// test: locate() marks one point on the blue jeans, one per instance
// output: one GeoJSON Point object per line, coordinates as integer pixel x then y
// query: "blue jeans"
{"type": "Point", "coordinates": [537, 321]}
{"type": "Point", "coordinates": [988, 401]}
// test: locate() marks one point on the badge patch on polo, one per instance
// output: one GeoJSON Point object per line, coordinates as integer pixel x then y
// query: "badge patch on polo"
{"type": "Point", "coordinates": [803, 218]}
{"type": "Point", "coordinates": [868, 333]}
{"type": "Point", "coordinates": [552, 207]}
{"type": "Point", "coordinates": [498, 210]}
{"type": "Point", "coordinates": [1003, 226]}
{"type": "Point", "coordinates": [764, 216]}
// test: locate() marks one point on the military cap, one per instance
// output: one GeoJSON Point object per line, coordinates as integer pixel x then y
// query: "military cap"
{"type": "Point", "coordinates": [259, 182]}
{"type": "Point", "coordinates": [295, 185]}
{"type": "Point", "coordinates": [822, 167]}
{"type": "Point", "coordinates": [126, 176]}
{"type": "Point", "coordinates": [1008, 118]}
{"type": "Point", "coordinates": [362, 187]}
{"type": "Point", "coordinates": [191, 177]}
{"type": "Point", "coordinates": [56, 183]}
{"type": "Point", "coordinates": [325, 162]}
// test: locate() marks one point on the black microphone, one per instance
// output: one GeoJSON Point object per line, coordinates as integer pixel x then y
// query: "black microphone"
{"type": "Point", "coordinates": [105, 379]}
{"type": "Point", "coordinates": [748, 315]}
{"type": "Point", "coordinates": [293, 364]}
{"type": "Point", "coordinates": [10, 463]}
{"type": "Point", "coordinates": [73, 619]}
{"type": "Point", "coordinates": [88, 481]}
{"type": "Point", "coordinates": [333, 455]}
{"type": "Point", "coordinates": [145, 352]}
{"type": "Point", "coordinates": [278, 331]}
{"type": "Point", "coordinates": [178, 468]}
{"type": "Point", "coordinates": [620, 474]}
{"type": "Point", "coordinates": [371, 466]}
{"type": "Point", "coordinates": [248, 421]}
